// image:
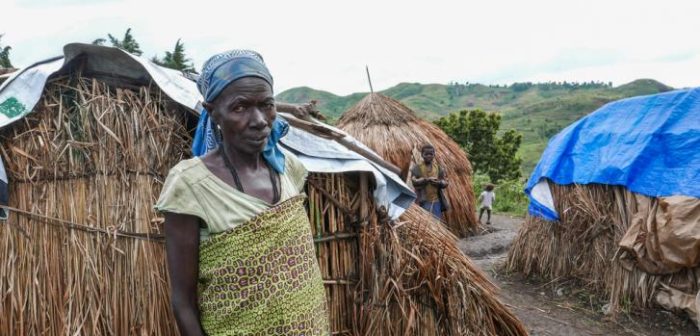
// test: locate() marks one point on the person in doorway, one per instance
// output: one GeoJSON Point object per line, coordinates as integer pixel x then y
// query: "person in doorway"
{"type": "Point", "coordinates": [240, 253]}
{"type": "Point", "coordinates": [487, 197]}
{"type": "Point", "coordinates": [429, 180]}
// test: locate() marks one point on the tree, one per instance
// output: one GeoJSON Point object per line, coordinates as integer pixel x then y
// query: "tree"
{"type": "Point", "coordinates": [505, 165]}
{"type": "Point", "coordinates": [5, 56]}
{"type": "Point", "coordinates": [476, 132]}
{"type": "Point", "coordinates": [127, 43]}
{"type": "Point", "coordinates": [176, 59]}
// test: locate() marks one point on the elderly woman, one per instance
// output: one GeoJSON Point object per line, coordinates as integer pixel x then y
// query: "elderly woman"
{"type": "Point", "coordinates": [239, 247]}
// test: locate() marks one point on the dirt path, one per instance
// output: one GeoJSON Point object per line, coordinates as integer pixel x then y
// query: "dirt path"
{"type": "Point", "coordinates": [560, 309]}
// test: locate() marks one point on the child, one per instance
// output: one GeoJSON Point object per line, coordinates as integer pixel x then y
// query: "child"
{"type": "Point", "coordinates": [487, 198]}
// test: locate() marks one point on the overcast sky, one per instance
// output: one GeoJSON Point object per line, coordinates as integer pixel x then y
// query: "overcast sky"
{"type": "Point", "coordinates": [326, 44]}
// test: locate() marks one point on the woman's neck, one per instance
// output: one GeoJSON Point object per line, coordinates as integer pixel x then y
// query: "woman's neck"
{"type": "Point", "coordinates": [241, 160]}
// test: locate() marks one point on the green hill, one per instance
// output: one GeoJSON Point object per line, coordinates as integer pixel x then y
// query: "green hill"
{"type": "Point", "coordinates": [538, 110]}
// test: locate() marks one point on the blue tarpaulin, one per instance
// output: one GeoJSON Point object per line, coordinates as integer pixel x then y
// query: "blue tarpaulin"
{"type": "Point", "coordinates": [648, 144]}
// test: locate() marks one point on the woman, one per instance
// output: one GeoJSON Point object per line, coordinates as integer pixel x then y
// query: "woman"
{"type": "Point", "coordinates": [240, 253]}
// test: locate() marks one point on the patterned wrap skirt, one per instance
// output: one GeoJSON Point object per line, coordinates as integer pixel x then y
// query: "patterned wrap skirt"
{"type": "Point", "coordinates": [262, 277]}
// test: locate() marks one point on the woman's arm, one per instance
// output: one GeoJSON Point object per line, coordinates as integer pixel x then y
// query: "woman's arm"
{"type": "Point", "coordinates": [182, 248]}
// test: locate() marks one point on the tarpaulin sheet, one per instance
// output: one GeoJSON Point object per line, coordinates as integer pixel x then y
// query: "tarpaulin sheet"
{"type": "Point", "coordinates": [648, 144]}
{"type": "Point", "coordinates": [663, 236]}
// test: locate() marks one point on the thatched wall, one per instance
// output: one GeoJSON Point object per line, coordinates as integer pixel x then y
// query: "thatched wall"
{"type": "Point", "coordinates": [394, 131]}
{"type": "Point", "coordinates": [92, 158]}
{"type": "Point", "coordinates": [584, 245]}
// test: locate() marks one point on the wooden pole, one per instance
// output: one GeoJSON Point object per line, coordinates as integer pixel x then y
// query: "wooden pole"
{"type": "Point", "coordinates": [364, 206]}
{"type": "Point", "coordinates": [369, 79]}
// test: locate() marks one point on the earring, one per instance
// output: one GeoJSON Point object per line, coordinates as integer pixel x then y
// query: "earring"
{"type": "Point", "coordinates": [218, 134]}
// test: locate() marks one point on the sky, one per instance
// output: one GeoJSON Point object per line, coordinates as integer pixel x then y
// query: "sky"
{"type": "Point", "coordinates": [327, 44]}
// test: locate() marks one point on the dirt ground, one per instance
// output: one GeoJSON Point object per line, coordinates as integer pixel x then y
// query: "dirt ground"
{"type": "Point", "coordinates": [560, 308]}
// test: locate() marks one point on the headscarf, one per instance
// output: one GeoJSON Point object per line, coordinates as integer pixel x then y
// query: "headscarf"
{"type": "Point", "coordinates": [218, 72]}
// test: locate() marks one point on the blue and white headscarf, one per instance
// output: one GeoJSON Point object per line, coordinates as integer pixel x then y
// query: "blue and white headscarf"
{"type": "Point", "coordinates": [218, 72]}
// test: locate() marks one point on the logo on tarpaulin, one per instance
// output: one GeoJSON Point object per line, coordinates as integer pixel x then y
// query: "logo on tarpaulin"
{"type": "Point", "coordinates": [11, 108]}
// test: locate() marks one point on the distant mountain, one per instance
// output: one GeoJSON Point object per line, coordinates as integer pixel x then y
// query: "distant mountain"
{"type": "Point", "coordinates": [538, 110]}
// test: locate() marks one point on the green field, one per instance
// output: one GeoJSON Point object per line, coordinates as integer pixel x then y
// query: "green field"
{"type": "Point", "coordinates": [537, 110]}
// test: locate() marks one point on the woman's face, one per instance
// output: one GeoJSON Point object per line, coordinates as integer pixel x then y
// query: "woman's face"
{"type": "Point", "coordinates": [245, 110]}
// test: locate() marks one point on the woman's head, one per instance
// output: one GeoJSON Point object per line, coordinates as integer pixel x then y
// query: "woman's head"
{"type": "Point", "coordinates": [237, 88]}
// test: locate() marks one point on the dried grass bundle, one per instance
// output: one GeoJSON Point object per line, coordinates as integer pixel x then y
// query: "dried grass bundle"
{"type": "Point", "coordinates": [427, 286]}
{"type": "Point", "coordinates": [407, 279]}
{"type": "Point", "coordinates": [583, 245]}
{"type": "Point", "coordinates": [393, 131]}
{"type": "Point", "coordinates": [93, 158]}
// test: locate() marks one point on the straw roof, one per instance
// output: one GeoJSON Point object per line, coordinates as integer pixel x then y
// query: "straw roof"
{"type": "Point", "coordinates": [394, 131]}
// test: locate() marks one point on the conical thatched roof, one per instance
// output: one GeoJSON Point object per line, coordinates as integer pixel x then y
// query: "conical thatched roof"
{"type": "Point", "coordinates": [393, 131]}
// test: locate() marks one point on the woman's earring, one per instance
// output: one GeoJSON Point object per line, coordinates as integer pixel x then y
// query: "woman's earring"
{"type": "Point", "coordinates": [218, 134]}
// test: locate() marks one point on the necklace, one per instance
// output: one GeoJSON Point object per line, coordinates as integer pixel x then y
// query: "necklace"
{"type": "Point", "coordinates": [274, 178]}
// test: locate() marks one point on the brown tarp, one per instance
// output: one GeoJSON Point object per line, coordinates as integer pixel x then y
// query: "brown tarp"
{"type": "Point", "coordinates": [674, 299]}
{"type": "Point", "coordinates": [664, 235]}
{"type": "Point", "coordinates": [664, 238]}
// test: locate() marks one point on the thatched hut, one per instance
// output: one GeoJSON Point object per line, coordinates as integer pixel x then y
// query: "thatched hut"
{"type": "Point", "coordinates": [82, 248]}
{"type": "Point", "coordinates": [392, 130]}
{"type": "Point", "coordinates": [615, 203]}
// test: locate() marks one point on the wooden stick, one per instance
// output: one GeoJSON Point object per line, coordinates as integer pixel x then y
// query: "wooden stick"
{"type": "Point", "coordinates": [335, 236]}
{"type": "Point", "coordinates": [321, 130]}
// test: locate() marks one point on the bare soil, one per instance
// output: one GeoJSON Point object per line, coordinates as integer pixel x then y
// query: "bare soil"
{"type": "Point", "coordinates": [560, 308]}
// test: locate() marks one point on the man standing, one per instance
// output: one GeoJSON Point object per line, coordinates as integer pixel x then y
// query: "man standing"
{"type": "Point", "coordinates": [429, 180]}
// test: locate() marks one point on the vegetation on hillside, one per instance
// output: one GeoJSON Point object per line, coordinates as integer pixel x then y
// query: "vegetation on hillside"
{"type": "Point", "coordinates": [536, 110]}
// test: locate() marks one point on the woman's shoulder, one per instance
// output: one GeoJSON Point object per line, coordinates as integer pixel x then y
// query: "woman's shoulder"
{"type": "Point", "coordinates": [294, 169]}
{"type": "Point", "coordinates": [188, 170]}
{"type": "Point", "coordinates": [292, 160]}
{"type": "Point", "coordinates": [177, 194]}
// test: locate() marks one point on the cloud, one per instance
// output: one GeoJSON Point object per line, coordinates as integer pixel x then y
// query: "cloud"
{"type": "Point", "coordinates": [326, 45]}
